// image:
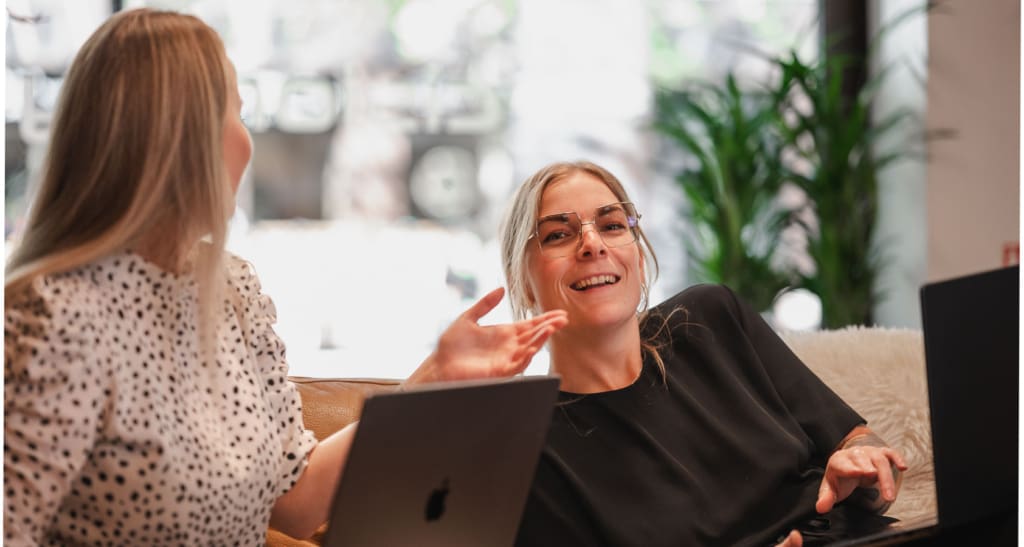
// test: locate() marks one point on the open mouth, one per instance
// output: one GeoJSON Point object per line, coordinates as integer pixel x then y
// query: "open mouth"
{"type": "Point", "coordinates": [595, 281]}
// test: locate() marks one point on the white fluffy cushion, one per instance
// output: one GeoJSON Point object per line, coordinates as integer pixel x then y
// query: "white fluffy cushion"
{"type": "Point", "coordinates": [880, 373]}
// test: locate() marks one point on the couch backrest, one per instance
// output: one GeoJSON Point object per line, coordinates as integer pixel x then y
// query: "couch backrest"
{"type": "Point", "coordinates": [329, 404]}
{"type": "Point", "coordinates": [880, 372]}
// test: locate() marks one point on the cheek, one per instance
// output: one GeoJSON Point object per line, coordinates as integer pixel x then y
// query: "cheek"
{"type": "Point", "coordinates": [544, 283]}
{"type": "Point", "coordinates": [237, 152]}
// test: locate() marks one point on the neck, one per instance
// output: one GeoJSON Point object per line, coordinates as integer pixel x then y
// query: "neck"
{"type": "Point", "coordinates": [166, 252]}
{"type": "Point", "coordinates": [594, 361]}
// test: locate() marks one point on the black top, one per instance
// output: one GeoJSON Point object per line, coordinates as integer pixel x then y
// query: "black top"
{"type": "Point", "coordinates": [729, 450]}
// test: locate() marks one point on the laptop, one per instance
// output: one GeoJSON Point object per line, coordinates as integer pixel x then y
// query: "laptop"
{"type": "Point", "coordinates": [443, 464]}
{"type": "Point", "coordinates": [971, 327]}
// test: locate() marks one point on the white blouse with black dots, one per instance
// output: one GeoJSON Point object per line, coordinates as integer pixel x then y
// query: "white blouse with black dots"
{"type": "Point", "coordinates": [117, 433]}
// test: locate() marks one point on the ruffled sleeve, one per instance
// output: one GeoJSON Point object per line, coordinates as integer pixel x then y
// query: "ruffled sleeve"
{"type": "Point", "coordinates": [56, 388]}
{"type": "Point", "coordinates": [257, 315]}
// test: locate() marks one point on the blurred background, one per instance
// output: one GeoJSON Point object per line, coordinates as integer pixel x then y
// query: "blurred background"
{"type": "Point", "coordinates": [389, 135]}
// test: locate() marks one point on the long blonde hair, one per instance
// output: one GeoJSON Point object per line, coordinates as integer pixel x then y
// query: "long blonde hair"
{"type": "Point", "coordinates": [135, 152]}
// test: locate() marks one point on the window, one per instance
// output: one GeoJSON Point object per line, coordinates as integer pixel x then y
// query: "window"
{"type": "Point", "coordinates": [389, 136]}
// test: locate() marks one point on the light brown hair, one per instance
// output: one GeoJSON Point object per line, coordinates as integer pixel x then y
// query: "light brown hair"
{"type": "Point", "coordinates": [135, 153]}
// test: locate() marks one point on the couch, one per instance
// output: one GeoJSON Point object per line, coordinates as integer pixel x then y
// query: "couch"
{"type": "Point", "coordinates": [878, 371]}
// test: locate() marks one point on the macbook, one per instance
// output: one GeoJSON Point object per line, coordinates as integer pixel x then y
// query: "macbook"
{"type": "Point", "coordinates": [444, 464]}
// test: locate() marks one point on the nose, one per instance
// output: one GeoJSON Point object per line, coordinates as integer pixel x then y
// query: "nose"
{"type": "Point", "coordinates": [591, 244]}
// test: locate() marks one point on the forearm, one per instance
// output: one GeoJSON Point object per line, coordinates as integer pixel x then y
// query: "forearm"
{"type": "Point", "coordinates": [305, 507]}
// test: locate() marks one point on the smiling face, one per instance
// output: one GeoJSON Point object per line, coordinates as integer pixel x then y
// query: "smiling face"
{"type": "Point", "coordinates": [597, 284]}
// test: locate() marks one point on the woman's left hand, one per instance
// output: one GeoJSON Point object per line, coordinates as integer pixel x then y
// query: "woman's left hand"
{"type": "Point", "coordinates": [868, 467]}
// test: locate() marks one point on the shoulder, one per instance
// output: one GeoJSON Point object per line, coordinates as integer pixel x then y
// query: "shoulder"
{"type": "Point", "coordinates": [241, 274]}
{"type": "Point", "coordinates": [244, 285]}
{"type": "Point", "coordinates": [701, 311]}
{"type": "Point", "coordinates": [54, 321]}
{"type": "Point", "coordinates": [702, 301]}
{"type": "Point", "coordinates": [54, 296]}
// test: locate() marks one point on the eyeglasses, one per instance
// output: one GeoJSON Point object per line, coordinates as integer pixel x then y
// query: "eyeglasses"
{"type": "Point", "coordinates": [560, 234]}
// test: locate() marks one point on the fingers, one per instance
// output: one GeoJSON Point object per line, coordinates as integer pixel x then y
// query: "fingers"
{"type": "Point", "coordinates": [886, 482]}
{"type": "Point", "coordinates": [555, 319]}
{"type": "Point", "coordinates": [860, 466]}
{"type": "Point", "coordinates": [897, 458]}
{"type": "Point", "coordinates": [537, 338]}
{"type": "Point", "coordinates": [826, 496]}
{"type": "Point", "coordinates": [794, 539]}
{"type": "Point", "coordinates": [558, 317]}
{"type": "Point", "coordinates": [484, 305]}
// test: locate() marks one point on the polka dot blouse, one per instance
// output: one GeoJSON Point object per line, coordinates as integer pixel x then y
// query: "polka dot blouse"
{"type": "Point", "coordinates": [116, 432]}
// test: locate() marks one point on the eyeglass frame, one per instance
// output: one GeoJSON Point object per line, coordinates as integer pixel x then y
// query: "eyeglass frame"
{"type": "Point", "coordinates": [579, 235]}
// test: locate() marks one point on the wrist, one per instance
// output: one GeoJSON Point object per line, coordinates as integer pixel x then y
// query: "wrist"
{"type": "Point", "coordinates": [425, 373]}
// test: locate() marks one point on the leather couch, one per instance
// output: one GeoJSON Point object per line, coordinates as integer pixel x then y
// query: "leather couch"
{"type": "Point", "coordinates": [878, 371]}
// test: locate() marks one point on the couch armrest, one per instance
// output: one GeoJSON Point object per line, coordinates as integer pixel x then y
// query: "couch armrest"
{"type": "Point", "coordinates": [329, 404]}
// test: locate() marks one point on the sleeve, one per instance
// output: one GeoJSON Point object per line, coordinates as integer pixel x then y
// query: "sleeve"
{"type": "Point", "coordinates": [55, 391]}
{"type": "Point", "coordinates": [258, 316]}
{"type": "Point", "coordinates": [822, 414]}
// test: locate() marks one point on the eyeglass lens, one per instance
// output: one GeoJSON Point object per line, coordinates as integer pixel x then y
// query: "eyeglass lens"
{"type": "Point", "coordinates": [559, 234]}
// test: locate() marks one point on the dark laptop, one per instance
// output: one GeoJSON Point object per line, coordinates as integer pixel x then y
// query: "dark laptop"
{"type": "Point", "coordinates": [971, 327]}
{"type": "Point", "coordinates": [445, 464]}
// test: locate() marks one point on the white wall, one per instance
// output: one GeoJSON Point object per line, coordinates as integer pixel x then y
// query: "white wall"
{"type": "Point", "coordinates": [901, 236]}
{"type": "Point", "coordinates": [973, 189]}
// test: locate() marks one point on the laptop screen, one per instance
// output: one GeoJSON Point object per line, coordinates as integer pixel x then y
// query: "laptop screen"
{"type": "Point", "coordinates": [971, 347]}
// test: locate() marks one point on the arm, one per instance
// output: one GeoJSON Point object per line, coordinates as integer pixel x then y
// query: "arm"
{"type": "Point", "coordinates": [53, 405]}
{"type": "Point", "coordinates": [302, 509]}
{"type": "Point", "coordinates": [465, 350]}
{"type": "Point", "coordinates": [864, 469]}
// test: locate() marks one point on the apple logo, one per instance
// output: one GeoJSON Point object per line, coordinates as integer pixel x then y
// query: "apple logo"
{"type": "Point", "coordinates": [435, 503]}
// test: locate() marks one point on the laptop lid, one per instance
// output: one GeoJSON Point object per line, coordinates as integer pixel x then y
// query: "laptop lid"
{"type": "Point", "coordinates": [971, 327]}
{"type": "Point", "coordinates": [444, 464]}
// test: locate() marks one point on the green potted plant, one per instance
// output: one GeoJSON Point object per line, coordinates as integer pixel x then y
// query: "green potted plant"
{"type": "Point", "coordinates": [731, 139]}
{"type": "Point", "coordinates": [801, 128]}
{"type": "Point", "coordinates": [835, 135]}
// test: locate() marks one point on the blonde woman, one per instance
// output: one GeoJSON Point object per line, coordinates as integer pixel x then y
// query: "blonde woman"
{"type": "Point", "coordinates": [146, 395]}
{"type": "Point", "coordinates": [688, 424]}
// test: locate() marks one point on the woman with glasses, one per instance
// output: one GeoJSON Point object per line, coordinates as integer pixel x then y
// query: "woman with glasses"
{"type": "Point", "coordinates": [146, 398]}
{"type": "Point", "coordinates": [690, 423]}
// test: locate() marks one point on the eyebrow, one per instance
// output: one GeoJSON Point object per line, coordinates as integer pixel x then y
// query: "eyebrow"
{"type": "Point", "coordinates": [564, 217]}
{"type": "Point", "coordinates": [559, 217]}
{"type": "Point", "coordinates": [610, 208]}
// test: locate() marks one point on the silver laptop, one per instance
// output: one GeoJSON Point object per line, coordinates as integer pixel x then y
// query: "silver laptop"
{"type": "Point", "coordinates": [445, 464]}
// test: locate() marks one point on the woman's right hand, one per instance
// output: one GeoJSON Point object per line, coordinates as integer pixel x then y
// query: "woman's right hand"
{"type": "Point", "coordinates": [468, 350]}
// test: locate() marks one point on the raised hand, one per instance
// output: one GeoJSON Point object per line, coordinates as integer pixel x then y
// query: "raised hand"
{"type": "Point", "coordinates": [468, 350]}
